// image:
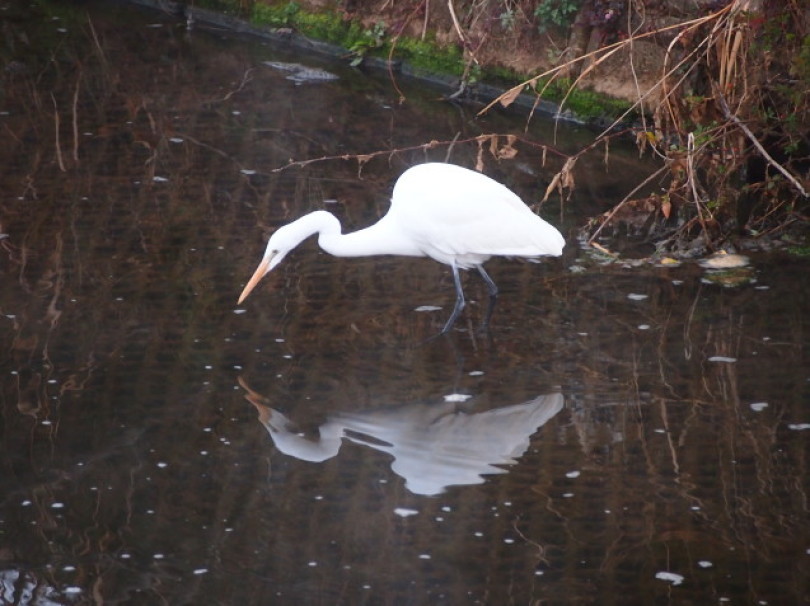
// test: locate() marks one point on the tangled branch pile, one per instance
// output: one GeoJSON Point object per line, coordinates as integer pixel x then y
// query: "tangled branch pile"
{"type": "Point", "coordinates": [731, 127]}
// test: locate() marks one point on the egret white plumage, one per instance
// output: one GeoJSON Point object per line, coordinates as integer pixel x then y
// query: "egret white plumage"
{"type": "Point", "coordinates": [451, 214]}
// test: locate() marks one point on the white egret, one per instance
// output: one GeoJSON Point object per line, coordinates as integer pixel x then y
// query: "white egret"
{"type": "Point", "coordinates": [448, 213]}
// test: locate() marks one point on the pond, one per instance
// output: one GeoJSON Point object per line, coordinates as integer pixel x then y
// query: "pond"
{"type": "Point", "coordinates": [625, 433]}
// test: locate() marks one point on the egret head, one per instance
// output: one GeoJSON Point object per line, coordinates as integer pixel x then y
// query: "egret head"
{"type": "Point", "coordinates": [281, 242]}
{"type": "Point", "coordinates": [284, 239]}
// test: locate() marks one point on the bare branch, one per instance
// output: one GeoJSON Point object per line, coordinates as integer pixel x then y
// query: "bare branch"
{"type": "Point", "coordinates": [733, 118]}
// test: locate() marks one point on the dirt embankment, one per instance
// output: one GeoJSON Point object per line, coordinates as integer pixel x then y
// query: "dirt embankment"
{"type": "Point", "coordinates": [493, 35]}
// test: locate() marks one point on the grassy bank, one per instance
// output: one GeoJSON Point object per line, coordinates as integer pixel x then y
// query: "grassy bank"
{"type": "Point", "coordinates": [422, 55]}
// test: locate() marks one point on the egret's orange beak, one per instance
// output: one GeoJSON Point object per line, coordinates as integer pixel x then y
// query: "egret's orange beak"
{"type": "Point", "coordinates": [254, 279]}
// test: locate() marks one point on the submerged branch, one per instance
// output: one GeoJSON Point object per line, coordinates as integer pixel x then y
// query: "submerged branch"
{"type": "Point", "coordinates": [607, 218]}
{"type": "Point", "coordinates": [57, 144]}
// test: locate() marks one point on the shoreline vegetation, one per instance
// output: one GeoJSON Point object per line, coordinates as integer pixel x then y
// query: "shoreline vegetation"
{"type": "Point", "coordinates": [717, 92]}
{"type": "Point", "coordinates": [443, 67]}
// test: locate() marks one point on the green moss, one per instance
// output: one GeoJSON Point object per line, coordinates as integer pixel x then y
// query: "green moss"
{"type": "Point", "coordinates": [325, 26]}
{"type": "Point", "coordinates": [801, 61]}
{"type": "Point", "coordinates": [504, 75]}
{"type": "Point", "coordinates": [799, 251]}
{"type": "Point", "coordinates": [427, 55]}
{"type": "Point", "coordinates": [238, 8]}
{"type": "Point", "coordinates": [275, 15]}
{"type": "Point", "coordinates": [588, 103]}
{"type": "Point", "coordinates": [582, 102]}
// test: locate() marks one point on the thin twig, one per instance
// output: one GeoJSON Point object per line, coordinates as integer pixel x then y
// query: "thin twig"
{"type": "Point", "coordinates": [604, 250]}
{"type": "Point", "coordinates": [245, 80]}
{"type": "Point", "coordinates": [391, 77]}
{"type": "Point", "coordinates": [460, 33]}
{"type": "Point", "coordinates": [423, 146]}
{"type": "Point", "coordinates": [100, 49]}
{"type": "Point", "coordinates": [730, 116]}
{"type": "Point", "coordinates": [56, 131]}
{"type": "Point", "coordinates": [425, 23]}
{"type": "Point", "coordinates": [75, 118]}
{"type": "Point", "coordinates": [690, 175]}
{"type": "Point", "coordinates": [451, 146]}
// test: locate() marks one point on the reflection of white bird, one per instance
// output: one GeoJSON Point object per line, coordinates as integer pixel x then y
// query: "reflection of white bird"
{"type": "Point", "coordinates": [442, 211]}
{"type": "Point", "coordinates": [433, 445]}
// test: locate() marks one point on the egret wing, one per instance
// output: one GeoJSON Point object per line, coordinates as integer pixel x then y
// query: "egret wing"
{"type": "Point", "coordinates": [453, 212]}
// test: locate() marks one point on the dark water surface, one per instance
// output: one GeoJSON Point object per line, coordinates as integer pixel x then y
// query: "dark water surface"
{"type": "Point", "coordinates": [622, 436]}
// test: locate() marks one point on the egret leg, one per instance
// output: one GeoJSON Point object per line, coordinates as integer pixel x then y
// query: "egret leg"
{"type": "Point", "coordinates": [459, 301]}
{"type": "Point", "coordinates": [493, 296]}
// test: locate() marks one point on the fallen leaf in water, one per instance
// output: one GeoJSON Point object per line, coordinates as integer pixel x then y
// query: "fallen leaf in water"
{"type": "Point", "coordinates": [723, 260]}
{"type": "Point", "coordinates": [730, 277]}
{"type": "Point", "coordinates": [457, 397]}
{"type": "Point", "coordinates": [725, 359]}
{"type": "Point", "coordinates": [427, 308]}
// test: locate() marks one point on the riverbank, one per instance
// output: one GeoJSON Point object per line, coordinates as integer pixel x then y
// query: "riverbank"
{"type": "Point", "coordinates": [731, 177]}
{"type": "Point", "coordinates": [435, 59]}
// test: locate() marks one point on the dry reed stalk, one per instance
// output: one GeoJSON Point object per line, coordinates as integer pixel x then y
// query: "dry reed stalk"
{"type": "Point", "coordinates": [75, 119]}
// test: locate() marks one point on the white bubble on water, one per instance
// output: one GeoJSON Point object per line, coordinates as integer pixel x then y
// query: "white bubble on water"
{"type": "Point", "coordinates": [671, 577]}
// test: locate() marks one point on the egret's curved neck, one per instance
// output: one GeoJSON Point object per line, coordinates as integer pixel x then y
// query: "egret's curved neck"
{"type": "Point", "coordinates": [319, 222]}
{"type": "Point", "coordinates": [382, 238]}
